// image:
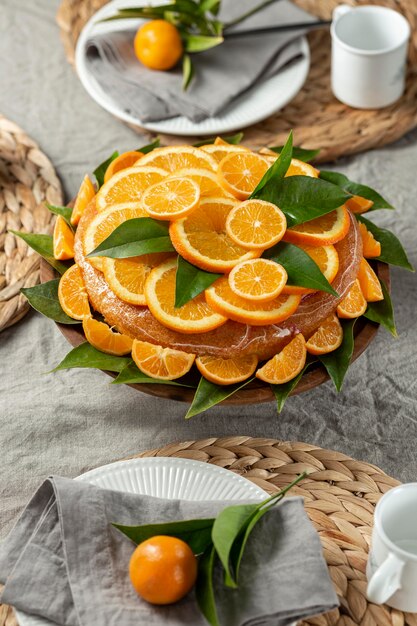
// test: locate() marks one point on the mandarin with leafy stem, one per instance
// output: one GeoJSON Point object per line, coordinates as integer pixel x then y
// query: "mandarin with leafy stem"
{"type": "Point", "coordinates": [163, 569]}
{"type": "Point", "coordinates": [158, 45]}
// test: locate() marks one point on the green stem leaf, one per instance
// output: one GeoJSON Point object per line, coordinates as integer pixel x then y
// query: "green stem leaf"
{"type": "Point", "coordinates": [195, 532]}
{"type": "Point", "coordinates": [85, 355]}
{"type": "Point", "coordinates": [303, 198]}
{"type": "Point", "coordinates": [277, 171]}
{"type": "Point", "coordinates": [131, 374]}
{"type": "Point", "coordinates": [382, 312]}
{"type": "Point", "coordinates": [301, 269]}
{"type": "Point", "coordinates": [100, 170]}
{"type": "Point", "coordinates": [141, 235]}
{"type": "Point", "coordinates": [149, 146]}
{"type": "Point", "coordinates": [337, 362]}
{"type": "Point", "coordinates": [190, 281]}
{"type": "Point", "coordinates": [392, 251]}
{"type": "Point", "coordinates": [187, 71]}
{"type": "Point", "coordinates": [43, 245]}
{"type": "Point", "coordinates": [63, 211]}
{"type": "Point", "coordinates": [44, 298]}
{"type": "Point", "coordinates": [298, 153]}
{"type": "Point", "coordinates": [204, 590]}
{"type": "Point", "coordinates": [208, 395]}
{"type": "Point", "coordinates": [356, 189]}
{"type": "Point", "coordinates": [200, 43]}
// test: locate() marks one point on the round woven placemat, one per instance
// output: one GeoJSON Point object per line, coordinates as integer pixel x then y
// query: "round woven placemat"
{"type": "Point", "coordinates": [317, 118]}
{"type": "Point", "coordinates": [340, 494]}
{"type": "Point", "coordinates": [27, 179]}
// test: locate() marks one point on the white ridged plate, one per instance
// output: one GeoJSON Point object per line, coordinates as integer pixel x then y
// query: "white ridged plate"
{"type": "Point", "coordinates": [165, 477]}
{"type": "Point", "coordinates": [254, 105]}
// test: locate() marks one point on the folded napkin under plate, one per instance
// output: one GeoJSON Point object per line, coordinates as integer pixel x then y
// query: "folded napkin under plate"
{"type": "Point", "coordinates": [65, 561]}
{"type": "Point", "coordinates": [222, 73]}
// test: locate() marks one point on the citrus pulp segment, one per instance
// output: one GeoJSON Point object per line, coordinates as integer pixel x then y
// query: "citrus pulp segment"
{"type": "Point", "coordinates": [226, 371]}
{"type": "Point", "coordinates": [256, 224]}
{"type": "Point", "coordinates": [63, 240]}
{"type": "Point", "coordinates": [103, 338]}
{"type": "Point", "coordinates": [285, 365]}
{"type": "Point", "coordinates": [258, 280]}
{"type": "Point", "coordinates": [327, 338]}
{"type": "Point", "coordinates": [161, 363]}
{"type": "Point", "coordinates": [72, 294]}
{"type": "Point", "coordinates": [172, 198]}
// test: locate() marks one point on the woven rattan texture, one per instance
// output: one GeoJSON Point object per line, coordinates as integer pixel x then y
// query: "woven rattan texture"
{"type": "Point", "coordinates": [340, 494]}
{"type": "Point", "coordinates": [317, 118]}
{"type": "Point", "coordinates": [27, 179]}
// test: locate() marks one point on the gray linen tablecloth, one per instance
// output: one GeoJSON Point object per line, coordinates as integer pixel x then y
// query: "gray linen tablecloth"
{"type": "Point", "coordinates": [68, 422]}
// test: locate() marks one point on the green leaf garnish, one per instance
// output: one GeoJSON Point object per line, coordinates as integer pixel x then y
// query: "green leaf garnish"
{"type": "Point", "coordinates": [232, 139]}
{"type": "Point", "coordinates": [382, 312]}
{"type": "Point", "coordinates": [140, 235]}
{"type": "Point", "coordinates": [356, 189]}
{"type": "Point", "coordinates": [277, 170]}
{"type": "Point", "coordinates": [281, 392]}
{"type": "Point", "coordinates": [149, 146]}
{"type": "Point", "coordinates": [190, 281]}
{"type": "Point", "coordinates": [199, 43]}
{"type": "Point", "coordinates": [44, 298]}
{"type": "Point", "coordinates": [63, 211]}
{"type": "Point", "coordinates": [195, 532]}
{"type": "Point", "coordinates": [187, 71]}
{"type": "Point", "coordinates": [303, 198]}
{"type": "Point", "coordinates": [212, 6]}
{"type": "Point", "coordinates": [43, 245]}
{"type": "Point", "coordinates": [101, 169]}
{"type": "Point", "coordinates": [392, 251]}
{"type": "Point", "coordinates": [300, 267]}
{"type": "Point", "coordinates": [337, 362]}
{"type": "Point", "coordinates": [204, 591]}
{"type": "Point", "coordinates": [208, 395]}
{"type": "Point", "coordinates": [299, 153]}
{"type": "Point", "coordinates": [131, 374]}
{"type": "Point", "coordinates": [85, 355]}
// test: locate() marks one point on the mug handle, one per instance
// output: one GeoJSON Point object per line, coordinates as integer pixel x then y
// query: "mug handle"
{"type": "Point", "coordinates": [340, 10]}
{"type": "Point", "coordinates": [386, 580]}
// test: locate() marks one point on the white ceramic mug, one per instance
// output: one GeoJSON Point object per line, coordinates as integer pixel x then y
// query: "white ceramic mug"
{"type": "Point", "coordinates": [392, 563]}
{"type": "Point", "coordinates": [369, 55]}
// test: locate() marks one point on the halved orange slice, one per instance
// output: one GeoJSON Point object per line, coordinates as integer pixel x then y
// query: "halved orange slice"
{"type": "Point", "coordinates": [172, 198]}
{"type": "Point", "coordinates": [258, 280]}
{"type": "Point", "coordinates": [321, 231]}
{"type": "Point", "coordinates": [327, 338]}
{"type": "Point", "coordinates": [354, 305]}
{"type": "Point", "coordinates": [256, 224]}
{"type": "Point", "coordinates": [201, 237]}
{"type": "Point", "coordinates": [126, 277]}
{"type": "Point", "coordinates": [161, 363]}
{"type": "Point", "coordinates": [371, 247]}
{"type": "Point", "coordinates": [103, 338]}
{"type": "Point", "coordinates": [326, 258]}
{"type": "Point", "coordinates": [84, 196]}
{"type": "Point", "coordinates": [222, 299]}
{"type": "Point", "coordinates": [104, 223]}
{"type": "Point", "coordinates": [240, 172]}
{"type": "Point", "coordinates": [72, 294]}
{"type": "Point", "coordinates": [173, 158]}
{"type": "Point", "coordinates": [196, 316]}
{"type": "Point", "coordinates": [206, 180]}
{"type": "Point", "coordinates": [226, 371]}
{"type": "Point", "coordinates": [128, 185]}
{"type": "Point", "coordinates": [220, 150]}
{"type": "Point", "coordinates": [358, 204]}
{"type": "Point", "coordinates": [122, 162]}
{"type": "Point", "coordinates": [296, 168]}
{"type": "Point", "coordinates": [285, 365]}
{"type": "Point", "coordinates": [63, 240]}
{"type": "Point", "coordinates": [369, 282]}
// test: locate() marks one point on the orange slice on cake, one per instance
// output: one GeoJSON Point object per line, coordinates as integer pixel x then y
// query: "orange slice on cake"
{"type": "Point", "coordinates": [84, 196]}
{"type": "Point", "coordinates": [326, 258]}
{"type": "Point", "coordinates": [196, 316]}
{"type": "Point", "coordinates": [371, 247]}
{"type": "Point", "coordinates": [128, 185]}
{"type": "Point", "coordinates": [63, 240]}
{"type": "Point", "coordinates": [171, 199]}
{"type": "Point", "coordinates": [226, 371]}
{"type": "Point", "coordinates": [161, 363]}
{"type": "Point", "coordinates": [207, 181]}
{"type": "Point", "coordinates": [354, 304]}
{"type": "Point", "coordinates": [369, 282]}
{"type": "Point", "coordinates": [258, 280]}
{"type": "Point", "coordinates": [122, 162]}
{"type": "Point", "coordinates": [173, 158]}
{"type": "Point", "coordinates": [202, 240]}
{"type": "Point", "coordinates": [103, 338]}
{"type": "Point", "coordinates": [72, 294]}
{"type": "Point", "coordinates": [358, 204]}
{"type": "Point", "coordinates": [327, 338]}
{"type": "Point", "coordinates": [285, 365]}
{"type": "Point", "coordinates": [256, 224]}
{"type": "Point", "coordinates": [321, 231]}
{"type": "Point", "coordinates": [240, 172]}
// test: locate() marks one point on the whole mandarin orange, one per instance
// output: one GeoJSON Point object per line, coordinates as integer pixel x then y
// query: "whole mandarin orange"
{"type": "Point", "coordinates": [158, 45]}
{"type": "Point", "coordinates": [163, 569]}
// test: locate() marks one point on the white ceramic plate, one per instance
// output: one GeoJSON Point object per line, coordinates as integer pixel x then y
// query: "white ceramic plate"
{"type": "Point", "coordinates": [165, 477]}
{"type": "Point", "coordinates": [255, 105]}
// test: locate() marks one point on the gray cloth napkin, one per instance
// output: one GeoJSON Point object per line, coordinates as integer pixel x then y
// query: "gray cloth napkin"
{"type": "Point", "coordinates": [65, 561]}
{"type": "Point", "coordinates": [222, 73]}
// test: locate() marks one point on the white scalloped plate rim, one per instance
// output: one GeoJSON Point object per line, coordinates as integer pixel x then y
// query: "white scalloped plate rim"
{"type": "Point", "coordinates": [165, 477]}
{"type": "Point", "coordinates": [252, 107]}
